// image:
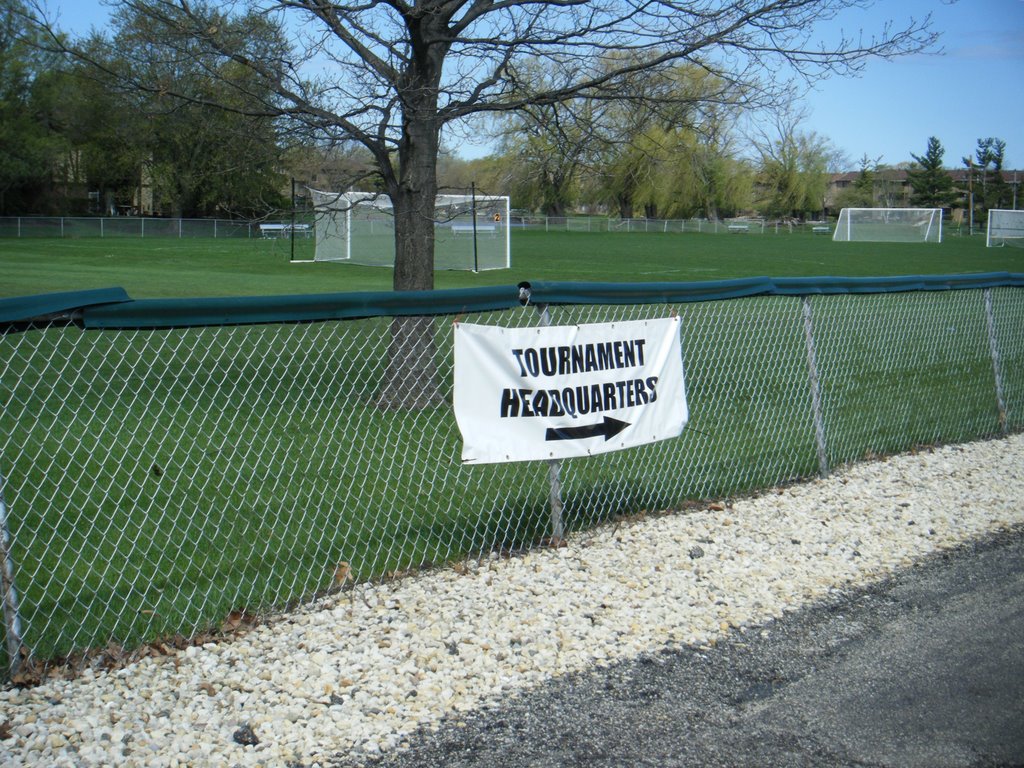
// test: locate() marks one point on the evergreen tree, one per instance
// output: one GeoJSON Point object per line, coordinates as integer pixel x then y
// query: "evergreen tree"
{"type": "Point", "coordinates": [986, 184]}
{"type": "Point", "coordinates": [931, 184]}
{"type": "Point", "coordinates": [1000, 194]}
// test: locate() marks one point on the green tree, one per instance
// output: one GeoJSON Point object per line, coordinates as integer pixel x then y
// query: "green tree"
{"type": "Point", "coordinates": [1000, 194]}
{"type": "Point", "coordinates": [28, 145]}
{"type": "Point", "coordinates": [664, 152]}
{"type": "Point", "coordinates": [931, 183]}
{"type": "Point", "coordinates": [675, 160]}
{"type": "Point", "coordinates": [793, 168]}
{"type": "Point", "coordinates": [107, 136]}
{"type": "Point", "coordinates": [986, 187]}
{"type": "Point", "coordinates": [695, 174]}
{"type": "Point", "coordinates": [208, 151]}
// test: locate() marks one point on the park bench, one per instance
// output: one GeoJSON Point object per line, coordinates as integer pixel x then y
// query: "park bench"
{"type": "Point", "coordinates": [468, 228]}
{"type": "Point", "coordinates": [268, 230]}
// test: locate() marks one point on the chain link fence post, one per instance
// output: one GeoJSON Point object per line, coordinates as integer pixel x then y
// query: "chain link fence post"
{"type": "Point", "coordinates": [812, 374]}
{"type": "Point", "coordinates": [997, 365]}
{"type": "Point", "coordinates": [12, 621]}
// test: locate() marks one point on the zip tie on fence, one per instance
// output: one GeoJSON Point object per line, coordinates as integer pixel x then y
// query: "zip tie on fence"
{"type": "Point", "coordinates": [524, 293]}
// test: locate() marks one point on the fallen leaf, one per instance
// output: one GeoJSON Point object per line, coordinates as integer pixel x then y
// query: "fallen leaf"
{"type": "Point", "coordinates": [234, 620]}
{"type": "Point", "coordinates": [341, 574]}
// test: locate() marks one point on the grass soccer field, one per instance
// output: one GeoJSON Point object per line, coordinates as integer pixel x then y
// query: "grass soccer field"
{"type": "Point", "coordinates": [180, 268]}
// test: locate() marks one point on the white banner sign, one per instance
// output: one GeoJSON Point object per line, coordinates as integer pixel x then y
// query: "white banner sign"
{"type": "Point", "coordinates": [524, 394]}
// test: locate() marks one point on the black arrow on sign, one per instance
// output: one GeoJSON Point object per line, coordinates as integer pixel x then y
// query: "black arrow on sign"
{"type": "Point", "coordinates": [608, 428]}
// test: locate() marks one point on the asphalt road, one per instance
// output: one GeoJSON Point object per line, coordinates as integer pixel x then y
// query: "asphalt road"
{"type": "Point", "coordinates": [924, 670]}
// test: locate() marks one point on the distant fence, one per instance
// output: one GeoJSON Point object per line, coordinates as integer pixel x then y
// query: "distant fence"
{"type": "Point", "coordinates": [704, 226]}
{"type": "Point", "coordinates": [168, 464]}
{"type": "Point", "coordinates": [132, 226]}
{"type": "Point", "coordinates": [127, 226]}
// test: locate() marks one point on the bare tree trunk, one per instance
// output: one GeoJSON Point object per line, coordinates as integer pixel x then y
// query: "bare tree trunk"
{"type": "Point", "coordinates": [414, 234]}
{"type": "Point", "coordinates": [410, 380]}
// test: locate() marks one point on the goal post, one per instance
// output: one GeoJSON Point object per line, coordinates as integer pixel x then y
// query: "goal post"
{"type": "Point", "coordinates": [1005, 227]}
{"type": "Point", "coordinates": [889, 225]}
{"type": "Point", "coordinates": [471, 232]}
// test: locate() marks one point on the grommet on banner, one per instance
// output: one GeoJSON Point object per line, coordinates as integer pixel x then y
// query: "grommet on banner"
{"type": "Point", "coordinates": [524, 293]}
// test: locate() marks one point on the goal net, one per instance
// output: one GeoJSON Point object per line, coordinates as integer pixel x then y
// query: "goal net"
{"type": "Point", "coordinates": [889, 225]}
{"type": "Point", "coordinates": [470, 231]}
{"type": "Point", "coordinates": [1005, 228]}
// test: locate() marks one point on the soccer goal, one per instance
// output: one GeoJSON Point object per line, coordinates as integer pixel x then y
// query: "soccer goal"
{"type": "Point", "coordinates": [1005, 228]}
{"type": "Point", "coordinates": [471, 232]}
{"type": "Point", "coordinates": [889, 225]}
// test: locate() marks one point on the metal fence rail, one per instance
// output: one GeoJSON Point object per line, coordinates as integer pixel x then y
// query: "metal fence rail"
{"type": "Point", "coordinates": [154, 480]}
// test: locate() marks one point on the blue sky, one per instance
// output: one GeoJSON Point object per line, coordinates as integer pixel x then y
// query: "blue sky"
{"type": "Point", "coordinates": [972, 90]}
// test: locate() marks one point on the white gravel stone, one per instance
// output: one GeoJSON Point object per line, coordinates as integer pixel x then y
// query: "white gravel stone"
{"type": "Point", "coordinates": [358, 676]}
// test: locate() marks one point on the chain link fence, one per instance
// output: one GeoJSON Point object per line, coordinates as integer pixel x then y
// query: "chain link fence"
{"type": "Point", "coordinates": [282, 226]}
{"type": "Point", "coordinates": [156, 481]}
{"type": "Point", "coordinates": [756, 226]}
{"type": "Point", "coordinates": [148, 227]}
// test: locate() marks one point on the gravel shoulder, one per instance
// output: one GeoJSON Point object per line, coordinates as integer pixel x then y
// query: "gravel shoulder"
{"type": "Point", "coordinates": [924, 669]}
{"type": "Point", "coordinates": [369, 674]}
